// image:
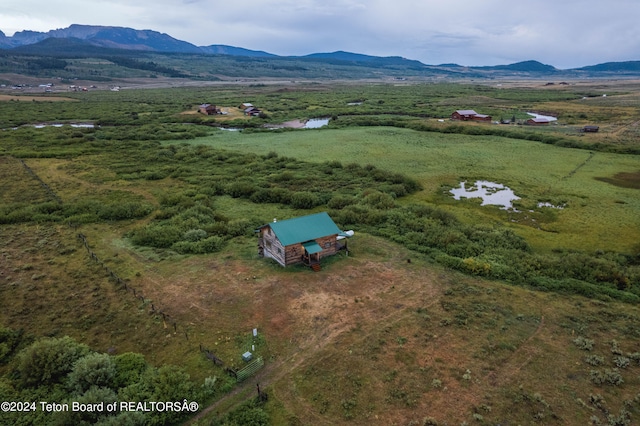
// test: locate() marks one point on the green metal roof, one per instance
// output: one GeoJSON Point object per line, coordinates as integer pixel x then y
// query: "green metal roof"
{"type": "Point", "coordinates": [304, 228]}
{"type": "Point", "coordinates": [312, 247]}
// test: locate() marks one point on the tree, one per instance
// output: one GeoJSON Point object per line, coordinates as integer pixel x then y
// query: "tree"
{"type": "Point", "coordinates": [92, 408]}
{"type": "Point", "coordinates": [49, 360]}
{"type": "Point", "coordinates": [129, 367]}
{"type": "Point", "coordinates": [92, 370]}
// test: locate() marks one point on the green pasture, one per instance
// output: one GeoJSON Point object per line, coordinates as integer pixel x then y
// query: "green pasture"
{"type": "Point", "coordinates": [597, 215]}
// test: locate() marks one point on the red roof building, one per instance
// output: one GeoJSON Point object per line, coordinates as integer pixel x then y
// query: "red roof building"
{"type": "Point", "coordinates": [469, 114]}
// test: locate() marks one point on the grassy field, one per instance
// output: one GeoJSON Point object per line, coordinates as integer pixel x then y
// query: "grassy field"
{"type": "Point", "coordinates": [597, 216]}
{"type": "Point", "coordinates": [387, 335]}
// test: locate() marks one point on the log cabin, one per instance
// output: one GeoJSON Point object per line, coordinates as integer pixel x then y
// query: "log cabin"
{"type": "Point", "coordinates": [305, 239]}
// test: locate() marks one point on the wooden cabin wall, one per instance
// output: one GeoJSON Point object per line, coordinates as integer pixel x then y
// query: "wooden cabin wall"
{"type": "Point", "coordinates": [272, 246]}
{"type": "Point", "coordinates": [293, 254]}
{"type": "Point", "coordinates": [333, 247]}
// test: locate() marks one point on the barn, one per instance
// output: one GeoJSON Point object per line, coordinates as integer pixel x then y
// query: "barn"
{"type": "Point", "coordinates": [463, 114]}
{"type": "Point", "coordinates": [469, 114]}
{"type": "Point", "coordinates": [304, 239]}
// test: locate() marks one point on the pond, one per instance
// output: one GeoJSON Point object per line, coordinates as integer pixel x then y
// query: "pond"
{"type": "Point", "coordinates": [80, 126]}
{"type": "Point", "coordinates": [491, 193]}
{"type": "Point", "coordinates": [43, 125]}
{"type": "Point", "coordinates": [548, 117]}
{"type": "Point", "coordinates": [551, 206]}
{"type": "Point", "coordinates": [315, 123]}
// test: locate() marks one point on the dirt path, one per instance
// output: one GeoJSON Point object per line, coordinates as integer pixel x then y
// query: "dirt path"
{"type": "Point", "coordinates": [264, 377]}
{"type": "Point", "coordinates": [514, 364]}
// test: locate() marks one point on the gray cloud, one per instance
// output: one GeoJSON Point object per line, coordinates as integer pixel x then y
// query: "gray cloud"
{"type": "Point", "coordinates": [564, 34]}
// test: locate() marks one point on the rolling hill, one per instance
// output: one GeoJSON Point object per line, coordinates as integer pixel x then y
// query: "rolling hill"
{"type": "Point", "coordinates": [177, 58]}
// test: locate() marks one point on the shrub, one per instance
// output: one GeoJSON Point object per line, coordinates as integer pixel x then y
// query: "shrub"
{"type": "Point", "coordinates": [237, 227]}
{"type": "Point", "coordinates": [615, 349]}
{"type": "Point", "coordinates": [476, 267]}
{"type": "Point", "coordinates": [608, 376]}
{"type": "Point", "coordinates": [123, 211]}
{"type": "Point", "coordinates": [249, 414]}
{"type": "Point", "coordinates": [621, 361]}
{"type": "Point", "coordinates": [429, 421]}
{"type": "Point", "coordinates": [280, 195]}
{"type": "Point", "coordinates": [211, 244]}
{"type": "Point", "coordinates": [49, 360]}
{"type": "Point", "coordinates": [195, 235]}
{"type": "Point", "coordinates": [241, 189]}
{"type": "Point", "coordinates": [94, 395]}
{"type": "Point", "coordinates": [156, 235]}
{"type": "Point", "coordinates": [92, 370]}
{"type": "Point", "coordinates": [594, 360]}
{"type": "Point", "coordinates": [260, 196]}
{"type": "Point", "coordinates": [129, 368]}
{"type": "Point", "coordinates": [379, 200]}
{"type": "Point", "coordinates": [271, 195]}
{"type": "Point", "coordinates": [583, 343]}
{"type": "Point", "coordinates": [339, 202]}
{"type": "Point", "coordinates": [304, 200]}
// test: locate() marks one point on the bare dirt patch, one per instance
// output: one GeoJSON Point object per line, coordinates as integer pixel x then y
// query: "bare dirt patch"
{"type": "Point", "coordinates": [623, 179]}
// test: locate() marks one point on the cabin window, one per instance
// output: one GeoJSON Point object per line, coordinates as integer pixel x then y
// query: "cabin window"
{"type": "Point", "coordinates": [327, 244]}
{"type": "Point", "coordinates": [279, 250]}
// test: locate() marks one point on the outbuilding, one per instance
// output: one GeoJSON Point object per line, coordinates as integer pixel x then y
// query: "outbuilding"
{"type": "Point", "coordinates": [538, 121]}
{"type": "Point", "coordinates": [252, 111]}
{"type": "Point", "coordinates": [208, 109]}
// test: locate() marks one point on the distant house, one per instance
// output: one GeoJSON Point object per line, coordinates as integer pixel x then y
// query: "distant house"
{"type": "Point", "coordinates": [590, 129]}
{"type": "Point", "coordinates": [482, 117]}
{"type": "Point", "coordinates": [469, 114]}
{"type": "Point", "coordinates": [208, 109]}
{"type": "Point", "coordinates": [538, 121]}
{"type": "Point", "coordinates": [305, 239]}
{"type": "Point", "coordinates": [252, 111]}
{"type": "Point", "coordinates": [245, 105]}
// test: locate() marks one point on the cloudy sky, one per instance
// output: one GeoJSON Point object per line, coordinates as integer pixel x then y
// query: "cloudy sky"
{"type": "Point", "coordinates": [562, 33]}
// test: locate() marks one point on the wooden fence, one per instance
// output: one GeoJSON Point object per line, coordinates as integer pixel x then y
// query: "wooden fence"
{"type": "Point", "coordinates": [240, 375]}
{"type": "Point", "coordinates": [44, 186]}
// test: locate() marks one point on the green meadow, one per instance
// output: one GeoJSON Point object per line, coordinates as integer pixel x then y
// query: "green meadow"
{"type": "Point", "coordinates": [596, 215]}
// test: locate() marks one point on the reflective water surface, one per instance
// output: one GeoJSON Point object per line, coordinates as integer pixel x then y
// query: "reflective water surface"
{"type": "Point", "coordinates": [491, 193]}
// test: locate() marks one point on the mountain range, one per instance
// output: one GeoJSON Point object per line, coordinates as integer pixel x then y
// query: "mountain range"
{"type": "Point", "coordinates": [98, 41]}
